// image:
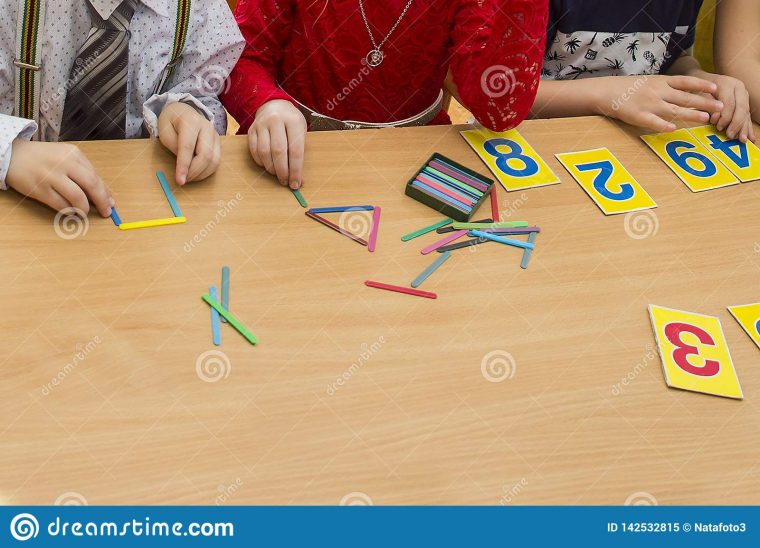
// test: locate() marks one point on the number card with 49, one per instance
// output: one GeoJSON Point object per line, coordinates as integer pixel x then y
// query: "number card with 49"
{"type": "Point", "coordinates": [694, 352]}
{"type": "Point", "coordinates": [511, 159]}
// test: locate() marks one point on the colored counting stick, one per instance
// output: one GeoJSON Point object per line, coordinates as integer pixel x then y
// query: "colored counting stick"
{"type": "Point", "coordinates": [399, 289]}
{"type": "Point", "coordinates": [300, 198]}
{"type": "Point", "coordinates": [335, 227]}
{"type": "Point", "coordinates": [216, 331]}
{"type": "Point", "coordinates": [115, 217]}
{"type": "Point", "coordinates": [429, 270]}
{"type": "Point", "coordinates": [340, 209]}
{"type": "Point", "coordinates": [150, 224]}
{"type": "Point", "coordinates": [169, 195]}
{"type": "Point", "coordinates": [423, 231]}
{"type": "Point", "coordinates": [375, 229]}
{"type": "Point", "coordinates": [230, 318]}
{"type": "Point", "coordinates": [527, 253]}
{"type": "Point", "coordinates": [499, 239]}
{"type": "Point", "coordinates": [482, 226]}
{"type": "Point", "coordinates": [440, 243]}
{"type": "Point", "coordinates": [225, 289]}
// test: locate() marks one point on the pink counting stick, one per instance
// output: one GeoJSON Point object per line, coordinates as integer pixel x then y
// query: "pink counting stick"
{"type": "Point", "coordinates": [447, 240]}
{"type": "Point", "coordinates": [375, 229]}
{"type": "Point", "coordinates": [399, 289]}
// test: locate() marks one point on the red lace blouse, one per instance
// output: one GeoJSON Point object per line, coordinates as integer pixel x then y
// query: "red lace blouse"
{"type": "Point", "coordinates": [314, 51]}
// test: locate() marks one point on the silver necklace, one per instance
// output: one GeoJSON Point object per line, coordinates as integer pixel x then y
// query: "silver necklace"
{"type": "Point", "coordinates": [375, 57]}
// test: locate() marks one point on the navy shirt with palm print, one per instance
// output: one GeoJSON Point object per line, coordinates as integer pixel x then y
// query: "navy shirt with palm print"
{"type": "Point", "coordinates": [589, 38]}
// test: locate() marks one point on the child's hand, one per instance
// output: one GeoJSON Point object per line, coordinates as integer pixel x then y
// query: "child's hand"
{"type": "Point", "coordinates": [193, 139]}
{"type": "Point", "coordinates": [655, 102]}
{"type": "Point", "coordinates": [58, 175]}
{"type": "Point", "coordinates": [736, 117]}
{"type": "Point", "coordinates": [276, 140]}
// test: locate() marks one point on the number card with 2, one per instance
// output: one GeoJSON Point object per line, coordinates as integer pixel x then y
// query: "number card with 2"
{"type": "Point", "coordinates": [748, 316]}
{"type": "Point", "coordinates": [742, 159]}
{"type": "Point", "coordinates": [606, 181]}
{"type": "Point", "coordinates": [690, 160]}
{"type": "Point", "coordinates": [512, 160]}
{"type": "Point", "coordinates": [694, 352]}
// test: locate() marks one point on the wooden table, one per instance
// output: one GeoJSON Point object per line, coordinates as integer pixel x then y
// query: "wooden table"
{"type": "Point", "coordinates": [117, 318]}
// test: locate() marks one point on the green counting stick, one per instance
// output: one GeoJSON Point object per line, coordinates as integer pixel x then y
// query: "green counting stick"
{"type": "Point", "coordinates": [481, 226]}
{"type": "Point", "coordinates": [230, 318]}
{"type": "Point", "coordinates": [423, 231]}
{"type": "Point", "coordinates": [300, 198]}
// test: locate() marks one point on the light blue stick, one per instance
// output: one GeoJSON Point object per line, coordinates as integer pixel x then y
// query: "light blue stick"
{"type": "Point", "coordinates": [499, 239]}
{"type": "Point", "coordinates": [429, 270]}
{"type": "Point", "coordinates": [169, 196]}
{"type": "Point", "coordinates": [341, 209]}
{"type": "Point", "coordinates": [225, 289]}
{"type": "Point", "coordinates": [216, 331]}
{"type": "Point", "coordinates": [527, 253]}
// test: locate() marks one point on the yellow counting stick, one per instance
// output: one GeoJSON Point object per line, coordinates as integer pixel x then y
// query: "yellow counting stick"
{"type": "Point", "coordinates": [150, 224]}
{"type": "Point", "coordinates": [690, 160]}
{"type": "Point", "coordinates": [742, 159]}
{"type": "Point", "coordinates": [694, 352]}
{"type": "Point", "coordinates": [748, 316]}
{"type": "Point", "coordinates": [606, 181]}
{"type": "Point", "coordinates": [511, 159]}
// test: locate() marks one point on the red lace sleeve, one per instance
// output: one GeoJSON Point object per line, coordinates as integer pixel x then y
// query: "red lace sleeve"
{"type": "Point", "coordinates": [498, 47]}
{"type": "Point", "coordinates": [266, 26]}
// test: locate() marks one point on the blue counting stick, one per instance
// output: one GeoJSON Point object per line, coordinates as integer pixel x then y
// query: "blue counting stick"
{"type": "Point", "coordinates": [527, 253]}
{"type": "Point", "coordinates": [225, 289]}
{"type": "Point", "coordinates": [429, 270]}
{"type": "Point", "coordinates": [440, 196]}
{"type": "Point", "coordinates": [341, 209]}
{"type": "Point", "coordinates": [115, 217]}
{"type": "Point", "coordinates": [216, 332]}
{"type": "Point", "coordinates": [505, 241]}
{"type": "Point", "coordinates": [169, 196]}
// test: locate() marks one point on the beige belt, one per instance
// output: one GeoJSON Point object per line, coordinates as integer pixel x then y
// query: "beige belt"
{"type": "Point", "coordinates": [320, 122]}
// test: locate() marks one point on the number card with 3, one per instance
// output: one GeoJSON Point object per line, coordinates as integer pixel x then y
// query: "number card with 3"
{"type": "Point", "coordinates": [606, 181]}
{"type": "Point", "coordinates": [512, 160]}
{"type": "Point", "coordinates": [690, 160]}
{"type": "Point", "coordinates": [742, 159]}
{"type": "Point", "coordinates": [748, 316]}
{"type": "Point", "coordinates": [694, 352]}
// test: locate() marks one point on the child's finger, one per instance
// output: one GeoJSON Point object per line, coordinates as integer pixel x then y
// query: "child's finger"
{"type": "Point", "coordinates": [253, 146]}
{"type": "Point", "coordinates": [92, 186]}
{"type": "Point", "coordinates": [692, 84]}
{"type": "Point", "coordinates": [675, 113]}
{"type": "Point", "coordinates": [208, 154]}
{"type": "Point", "coordinates": [186, 141]}
{"type": "Point", "coordinates": [53, 199]}
{"type": "Point", "coordinates": [751, 131]}
{"type": "Point", "coordinates": [650, 120]}
{"type": "Point", "coordinates": [705, 103]}
{"type": "Point", "coordinates": [279, 147]}
{"type": "Point", "coordinates": [741, 114]}
{"type": "Point", "coordinates": [727, 114]}
{"type": "Point", "coordinates": [265, 152]}
{"type": "Point", "coordinates": [296, 137]}
{"type": "Point", "coordinates": [72, 193]}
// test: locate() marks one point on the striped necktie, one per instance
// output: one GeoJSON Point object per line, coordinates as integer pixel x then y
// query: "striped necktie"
{"type": "Point", "coordinates": [96, 102]}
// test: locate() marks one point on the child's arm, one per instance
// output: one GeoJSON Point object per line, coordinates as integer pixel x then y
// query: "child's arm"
{"type": "Point", "coordinates": [651, 102]}
{"type": "Point", "coordinates": [735, 117]}
{"type": "Point", "coordinates": [56, 174]}
{"type": "Point", "coordinates": [497, 48]}
{"type": "Point", "coordinates": [276, 128]}
{"type": "Point", "coordinates": [188, 117]}
{"type": "Point", "coordinates": [737, 45]}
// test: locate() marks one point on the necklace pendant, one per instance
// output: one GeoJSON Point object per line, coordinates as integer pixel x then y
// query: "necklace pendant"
{"type": "Point", "coordinates": [375, 58]}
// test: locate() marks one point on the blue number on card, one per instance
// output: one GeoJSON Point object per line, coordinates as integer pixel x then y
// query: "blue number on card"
{"type": "Point", "coordinates": [757, 327]}
{"type": "Point", "coordinates": [727, 147]}
{"type": "Point", "coordinates": [680, 158]}
{"type": "Point", "coordinates": [606, 169]}
{"type": "Point", "coordinates": [515, 153]}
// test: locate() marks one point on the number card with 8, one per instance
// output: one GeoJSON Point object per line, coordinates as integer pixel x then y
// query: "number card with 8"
{"type": "Point", "coordinates": [748, 316]}
{"type": "Point", "coordinates": [690, 160]}
{"type": "Point", "coordinates": [606, 181]}
{"type": "Point", "coordinates": [510, 157]}
{"type": "Point", "coordinates": [742, 159]}
{"type": "Point", "coordinates": [694, 352]}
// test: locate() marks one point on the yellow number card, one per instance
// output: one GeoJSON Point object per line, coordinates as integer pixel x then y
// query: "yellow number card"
{"type": "Point", "coordinates": [742, 159]}
{"type": "Point", "coordinates": [748, 316]}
